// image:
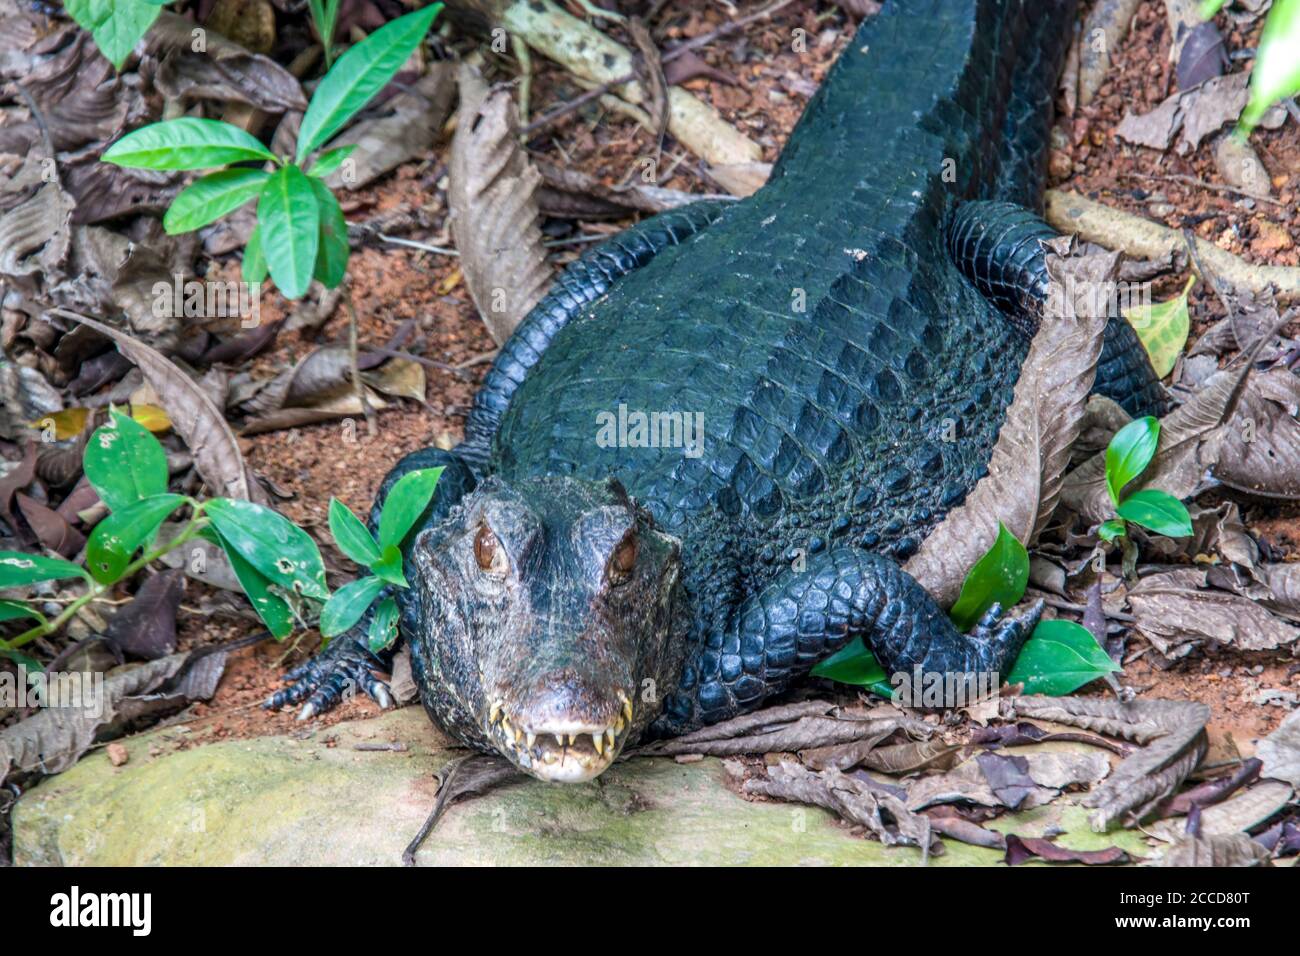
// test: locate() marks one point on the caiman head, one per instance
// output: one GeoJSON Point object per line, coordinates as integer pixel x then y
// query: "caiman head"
{"type": "Point", "coordinates": [547, 611]}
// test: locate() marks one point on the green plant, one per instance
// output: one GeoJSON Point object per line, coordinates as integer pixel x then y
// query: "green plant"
{"type": "Point", "coordinates": [1276, 75]}
{"type": "Point", "coordinates": [325, 14]}
{"type": "Point", "coordinates": [1127, 456]}
{"type": "Point", "coordinates": [404, 504]}
{"type": "Point", "coordinates": [1059, 657]}
{"type": "Point", "coordinates": [300, 233]}
{"type": "Point", "coordinates": [276, 562]}
{"type": "Point", "coordinates": [115, 25]}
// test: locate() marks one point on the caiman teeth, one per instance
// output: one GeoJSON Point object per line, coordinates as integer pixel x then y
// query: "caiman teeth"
{"type": "Point", "coordinates": [627, 706]}
{"type": "Point", "coordinates": [531, 738]}
{"type": "Point", "coordinates": [494, 712]}
{"type": "Point", "coordinates": [598, 741]}
{"type": "Point", "coordinates": [609, 737]}
{"type": "Point", "coordinates": [573, 739]}
{"type": "Point", "coordinates": [559, 740]}
{"type": "Point", "coordinates": [505, 725]}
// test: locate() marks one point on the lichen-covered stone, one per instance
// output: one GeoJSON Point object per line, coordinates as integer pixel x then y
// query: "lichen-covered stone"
{"type": "Point", "coordinates": [320, 801]}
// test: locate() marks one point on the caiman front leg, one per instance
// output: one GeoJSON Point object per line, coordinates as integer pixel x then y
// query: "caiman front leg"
{"type": "Point", "coordinates": [803, 617]}
{"type": "Point", "coordinates": [348, 663]}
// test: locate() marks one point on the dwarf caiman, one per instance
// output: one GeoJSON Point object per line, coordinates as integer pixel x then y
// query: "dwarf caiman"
{"type": "Point", "coordinates": [695, 468]}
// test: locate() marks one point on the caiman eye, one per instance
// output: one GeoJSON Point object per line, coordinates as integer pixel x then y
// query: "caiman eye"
{"type": "Point", "coordinates": [488, 552]}
{"type": "Point", "coordinates": [623, 561]}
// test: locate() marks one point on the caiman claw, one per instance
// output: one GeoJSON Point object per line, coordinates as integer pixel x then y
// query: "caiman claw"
{"type": "Point", "coordinates": [332, 676]}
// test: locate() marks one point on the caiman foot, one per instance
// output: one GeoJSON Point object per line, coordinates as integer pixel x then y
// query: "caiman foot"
{"type": "Point", "coordinates": [333, 676]}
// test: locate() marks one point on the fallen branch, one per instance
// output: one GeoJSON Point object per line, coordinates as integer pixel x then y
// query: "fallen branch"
{"type": "Point", "coordinates": [595, 58]}
{"type": "Point", "coordinates": [1144, 239]}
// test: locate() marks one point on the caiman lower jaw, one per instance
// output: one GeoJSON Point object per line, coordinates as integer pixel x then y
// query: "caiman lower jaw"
{"type": "Point", "coordinates": [558, 750]}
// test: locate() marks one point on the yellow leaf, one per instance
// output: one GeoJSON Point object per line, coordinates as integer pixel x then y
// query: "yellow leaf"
{"type": "Point", "coordinates": [450, 282]}
{"type": "Point", "coordinates": [151, 417]}
{"type": "Point", "coordinates": [1163, 328]}
{"type": "Point", "coordinates": [67, 423]}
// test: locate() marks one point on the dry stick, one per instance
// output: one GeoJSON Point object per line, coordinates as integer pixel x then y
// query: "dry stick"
{"type": "Point", "coordinates": [371, 425]}
{"type": "Point", "coordinates": [1096, 222]}
{"type": "Point", "coordinates": [39, 119]}
{"type": "Point", "coordinates": [596, 92]}
{"type": "Point", "coordinates": [1202, 184]}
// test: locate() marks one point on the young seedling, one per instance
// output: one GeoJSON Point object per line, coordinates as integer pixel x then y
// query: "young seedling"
{"type": "Point", "coordinates": [1127, 456]}
{"type": "Point", "coordinates": [1276, 75]}
{"type": "Point", "coordinates": [300, 234]}
{"type": "Point", "coordinates": [1059, 657]}
{"type": "Point", "coordinates": [277, 563]}
{"type": "Point", "coordinates": [403, 506]}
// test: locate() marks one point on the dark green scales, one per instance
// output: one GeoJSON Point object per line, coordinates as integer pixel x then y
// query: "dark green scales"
{"type": "Point", "coordinates": [850, 337]}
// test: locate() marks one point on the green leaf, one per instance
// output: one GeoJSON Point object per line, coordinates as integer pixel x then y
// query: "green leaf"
{"type": "Point", "coordinates": [383, 626]}
{"type": "Point", "coordinates": [352, 537]}
{"type": "Point", "coordinates": [208, 199]}
{"type": "Point", "coordinates": [30, 664]}
{"type": "Point", "coordinates": [1129, 453]}
{"type": "Point", "coordinates": [253, 271]}
{"type": "Point", "coordinates": [125, 531]}
{"type": "Point", "coordinates": [289, 218]}
{"type": "Point", "coordinates": [1276, 75]}
{"type": "Point", "coordinates": [14, 610]}
{"type": "Point", "coordinates": [270, 607]}
{"type": "Point", "coordinates": [348, 603]}
{"type": "Point", "coordinates": [271, 543]}
{"type": "Point", "coordinates": [389, 566]}
{"type": "Point", "coordinates": [1157, 511]}
{"type": "Point", "coordinates": [1163, 327]}
{"type": "Point", "coordinates": [1112, 529]}
{"type": "Point", "coordinates": [1000, 577]}
{"type": "Point", "coordinates": [330, 160]}
{"type": "Point", "coordinates": [359, 74]}
{"type": "Point", "coordinates": [124, 462]}
{"type": "Point", "coordinates": [332, 256]}
{"type": "Point", "coordinates": [116, 25]}
{"type": "Point", "coordinates": [1210, 7]}
{"type": "Point", "coordinates": [405, 503]}
{"type": "Point", "coordinates": [17, 568]}
{"type": "Point", "coordinates": [1060, 657]}
{"type": "Point", "coordinates": [186, 143]}
{"type": "Point", "coordinates": [855, 665]}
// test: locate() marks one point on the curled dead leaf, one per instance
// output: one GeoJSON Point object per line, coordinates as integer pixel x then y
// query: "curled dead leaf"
{"type": "Point", "coordinates": [495, 222]}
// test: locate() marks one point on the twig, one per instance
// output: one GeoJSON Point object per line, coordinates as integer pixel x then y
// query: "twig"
{"type": "Point", "coordinates": [422, 246]}
{"type": "Point", "coordinates": [371, 425]}
{"type": "Point", "coordinates": [39, 119]}
{"type": "Point", "coordinates": [1202, 184]}
{"type": "Point", "coordinates": [546, 119]}
{"type": "Point", "coordinates": [1064, 605]}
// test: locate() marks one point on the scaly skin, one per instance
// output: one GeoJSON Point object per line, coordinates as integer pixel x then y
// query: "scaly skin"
{"type": "Point", "coordinates": [851, 382]}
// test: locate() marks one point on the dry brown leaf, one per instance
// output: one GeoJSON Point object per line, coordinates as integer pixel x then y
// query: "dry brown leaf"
{"type": "Point", "coordinates": [54, 738]}
{"type": "Point", "coordinates": [1231, 849]}
{"type": "Point", "coordinates": [34, 235]}
{"type": "Point", "coordinates": [1260, 450]}
{"type": "Point", "coordinates": [1280, 751]}
{"type": "Point", "coordinates": [223, 71]}
{"type": "Point", "coordinates": [1175, 612]}
{"type": "Point", "coordinates": [203, 426]}
{"type": "Point", "coordinates": [492, 194]}
{"type": "Point", "coordinates": [853, 799]}
{"type": "Point", "coordinates": [1045, 417]}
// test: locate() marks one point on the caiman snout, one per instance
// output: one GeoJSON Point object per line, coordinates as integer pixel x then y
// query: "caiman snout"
{"type": "Point", "coordinates": [558, 738]}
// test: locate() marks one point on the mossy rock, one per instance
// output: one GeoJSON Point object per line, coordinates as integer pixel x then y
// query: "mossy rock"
{"type": "Point", "coordinates": [318, 800]}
